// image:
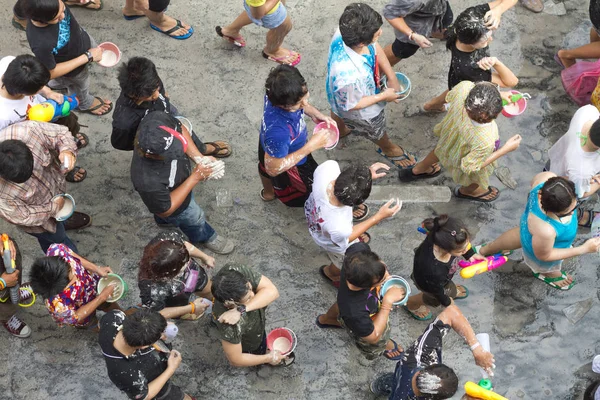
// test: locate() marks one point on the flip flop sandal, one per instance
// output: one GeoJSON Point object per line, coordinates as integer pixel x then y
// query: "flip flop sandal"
{"type": "Point", "coordinates": [502, 253]}
{"type": "Point", "coordinates": [173, 29]}
{"type": "Point", "coordinates": [71, 175]}
{"type": "Point", "coordinates": [415, 316]}
{"type": "Point", "coordinates": [81, 142]}
{"type": "Point", "coordinates": [558, 61]}
{"type": "Point", "coordinates": [479, 198]}
{"type": "Point", "coordinates": [591, 217]}
{"type": "Point", "coordinates": [87, 5]}
{"type": "Point", "coordinates": [132, 17]}
{"type": "Point", "coordinates": [387, 353]}
{"type": "Point", "coordinates": [336, 284]}
{"type": "Point", "coordinates": [361, 207]}
{"type": "Point", "coordinates": [464, 296]}
{"type": "Point", "coordinates": [77, 221]}
{"type": "Point", "coordinates": [550, 281]}
{"type": "Point", "coordinates": [407, 175]}
{"type": "Point", "coordinates": [281, 60]}
{"type": "Point", "coordinates": [102, 103]}
{"type": "Point", "coordinates": [364, 238]}
{"type": "Point", "coordinates": [222, 150]}
{"type": "Point", "coordinates": [17, 25]}
{"type": "Point", "coordinates": [262, 196]}
{"type": "Point", "coordinates": [326, 326]}
{"type": "Point", "coordinates": [405, 156]}
{"type": "Point", "coordinates": [238, 41]}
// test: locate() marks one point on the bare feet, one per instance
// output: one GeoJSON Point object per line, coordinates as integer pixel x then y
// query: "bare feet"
{"type": "Point", "coordinates": [402, 162]}
{"type": "Point", "coordinates": [421, 312]}
{"type": "Point", "coordinates": [103, 109]}
{"type": "Point", "coordinates": [323, 319]}
{"type": "Point", "coordinates": [391, 351]}
{"type": "Point", "coordinates": [557, 274]}
{"type": "Point", "coordinates": [284, 56]}
{"type": "Point", "coordinates": [431, 106]}
{"type": "Point", "coordinates": [567, 62]}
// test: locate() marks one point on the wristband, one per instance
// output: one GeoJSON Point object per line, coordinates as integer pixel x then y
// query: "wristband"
{"type": "Point", "coordinates": [476, 345]}
{"type": "Point", "coordinates": [2, 283]}
{"type": "Point", "coordinates": [410, 37]}
{"type": "Point", "coordinates": [193, 307]}
{"type": "Point", "coordinates": [89, 56]}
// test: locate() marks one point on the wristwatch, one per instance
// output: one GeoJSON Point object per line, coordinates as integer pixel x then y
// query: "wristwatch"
{"type": "Point", "coordinates": [242, 309]}
{"type": "Point", "coordinates": [89, 56]}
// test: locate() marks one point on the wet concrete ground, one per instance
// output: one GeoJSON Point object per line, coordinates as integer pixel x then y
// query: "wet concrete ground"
{"type": "Point", "coordinates": [539, 353]}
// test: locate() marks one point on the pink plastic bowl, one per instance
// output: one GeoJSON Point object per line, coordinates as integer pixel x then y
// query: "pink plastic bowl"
{"type": "Point", "coordinates": [333, 140]}
{"type": "Point", "coordinates": [522, 104]}
{"type": "Point", "coordinates": [111, 55]}
{"type": "Point", "coordinates": [282, 333]}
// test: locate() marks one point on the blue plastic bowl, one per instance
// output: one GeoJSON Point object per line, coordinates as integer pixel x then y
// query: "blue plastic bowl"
{"type": "Point", "coordinates": [404, 83]}
{"type": "Point", "coordinates": [396, 280]}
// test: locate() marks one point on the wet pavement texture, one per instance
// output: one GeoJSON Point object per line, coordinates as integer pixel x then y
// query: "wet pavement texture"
{"type": "Point", "coordinates": [539, 353]}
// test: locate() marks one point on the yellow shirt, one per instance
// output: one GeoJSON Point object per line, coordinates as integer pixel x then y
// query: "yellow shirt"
{"type": "Point", "coordinates": [258, 3]}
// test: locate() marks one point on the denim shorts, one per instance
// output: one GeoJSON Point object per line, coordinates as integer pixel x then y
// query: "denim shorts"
{"type": "Point", "coordinates": [269, 21]}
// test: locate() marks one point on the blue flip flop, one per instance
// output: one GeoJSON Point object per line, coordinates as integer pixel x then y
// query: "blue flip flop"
{"type": "Point", "coordinates": [466, 293]}
{"type": "Point", "coordinates": [387, 352]}
{"type": "Point", "coordinates": [132, 17]}
{"type": "Point", "coordinates": [403, 157]}
{"type": "Point", "coordinates": [173, 29]}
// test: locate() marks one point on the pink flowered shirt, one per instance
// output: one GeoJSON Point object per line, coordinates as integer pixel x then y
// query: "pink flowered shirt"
{"type": "Point", "coordinates": [62, 307]}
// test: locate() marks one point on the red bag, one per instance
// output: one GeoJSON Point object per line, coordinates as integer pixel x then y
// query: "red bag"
{"type": "Point", "coordinates": [580, 80]}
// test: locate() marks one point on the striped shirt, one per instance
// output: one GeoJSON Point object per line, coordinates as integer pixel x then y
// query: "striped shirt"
{"type": "Point", "coordinates": [28, 205]}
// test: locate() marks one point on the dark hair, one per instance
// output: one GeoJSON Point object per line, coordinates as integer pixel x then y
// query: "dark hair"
{"type": "Point", "coordinates": [138, 78]}
{"type": "Point", "coordinates": [353, 185]}
{"type": "Point", "coordinates": [558, 194]}
{"type": "Point", "coordinates": [285, 86]}
{"type": "Point", "coordinates": [483, 103]}
{"type": "Point", "coordinates": [229, 285]}
{"type": "Point", "coordinates": [594, 133]}
{"type": "Point", "coordinates": [468, 27]}
{"type": "Point", "coordinates": [49, 276]}
{"type": "Point", "coordinates": [359, 23]}
{"type": "Point", "coordinates": [41, 10]}
{"type": "Point", "coordinates": [25, 75]}
{"type": "Point", "coordinates": [143, 328]}
{"type": "Point", "coordinates": [590, 391]}
{"type": "Point", "coordinates": [364, 269]}
{"type": "Point", "coordinates": [446, 232]}
{"type": "Point", "coordinates": [162, 259]}
{"type": "Point", "coordinates": [16, 161]}
{"type": "Point", "coordinates": [437, 382]}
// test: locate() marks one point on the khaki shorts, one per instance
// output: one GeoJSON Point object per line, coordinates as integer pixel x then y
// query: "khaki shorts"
{"type": "Point", "coordinates": [336, 259]}
{"type": "Point", "coordinates": [370, 350]}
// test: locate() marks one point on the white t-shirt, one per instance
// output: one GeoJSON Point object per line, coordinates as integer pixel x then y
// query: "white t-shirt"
{"type": "Point", "coordinates": [567, 158]}
{"type": "Point", "coordinates": [13, 111]}
{"type": "Point", "coordinates": [329, 225]}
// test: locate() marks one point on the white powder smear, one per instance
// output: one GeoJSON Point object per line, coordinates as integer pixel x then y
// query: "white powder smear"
{"type": "Point", "coordinates": [429, 383]}
{"type": "Point", "coordinates": [109, 58]}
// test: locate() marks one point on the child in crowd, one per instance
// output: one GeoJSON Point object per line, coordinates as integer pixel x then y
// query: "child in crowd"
{"type": "Point", "coordinates": [8, 311]}
{"type": "Point", "coordinates": [567, 57]}
{"type": "Point", "coordinates": [142, 91]}
{"type": "Point", "coordinates": [468, 40]}
{"type": "Point", "coordinates": [66, 49]}
{"type": "Point", "coordinates": [414, 22]}
{"type": "Point", "coordinates": [166, 267]}
{"type": "Point", "coordinates": [23, 82]}
{"type": "Point", "coordinates": [241, 299]}
{"type": "Point", "coordinates": [468, 142]}
{"type": "Point", "coordinates": [270, 14]}
{"type": "Point", "coordinates": [138, 362]}
{"type": "Point", "coordinates": [285, 163]}
{"type": "Point", "coordinates": [359, 308]}
{"type": "Point", "coordinates": [68, 284]}
{"type": "Point", "coordinates": [354, 69]}
{"type": "Point", "coordinates": [329, 210]}
{"type": "Point", "coordinates": [436, 262]}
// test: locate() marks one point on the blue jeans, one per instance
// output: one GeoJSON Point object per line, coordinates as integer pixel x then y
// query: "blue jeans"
{"type": "Point", "coordinates": [192, 222]}
{"type": "Point", "coordinates": [46, 239]}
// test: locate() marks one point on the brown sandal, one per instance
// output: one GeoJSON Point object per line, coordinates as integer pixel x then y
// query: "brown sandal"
{"type": "Point", "coordinates": [222, 149]}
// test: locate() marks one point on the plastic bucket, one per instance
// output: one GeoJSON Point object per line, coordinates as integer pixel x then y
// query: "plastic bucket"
{"type": "Point", "coordinates": [395, 281]}
{"type": "Point", "coordinates": [68, 208]}
{"type": "Point", "coordinates": [405, 85]}
{"type": "Point", "coordinates": [283, 340]}
{"type": "Point", "coordinates": [333, 139]}
{"type": "Point", "coordinates": [185, 122]}
{"type": "Point", "coordinates": [119, 292]}
{"type": "Point", "coordinates": [111, 54]}
{"type": "Point", "coordinates": [514, 109]}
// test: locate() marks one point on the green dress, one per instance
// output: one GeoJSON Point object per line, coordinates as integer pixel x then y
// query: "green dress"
{"type": "Point", "coordinates": [463, 147]}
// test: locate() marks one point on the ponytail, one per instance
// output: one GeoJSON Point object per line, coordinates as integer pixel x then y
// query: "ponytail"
{"type": "Point", "coordinates": [446, 232]}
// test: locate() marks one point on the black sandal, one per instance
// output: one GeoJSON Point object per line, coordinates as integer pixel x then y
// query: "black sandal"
{"type": "Point", "coordinates": [365, 212]}
{"type": "Point", "coordinates": [222, 150]}
{"type": "Point", "coordinates": [592, 214]}
{"type": "Point", "coordinates": [71, 175]}
{"type": "Point", "coordinates": [81, 142]}
{"type": "Point", "coordinates": [408, 175]}
{"type": "Point", "coordinates": [479, 198]}
{"type": "Point", "coordinates": [102, 104]}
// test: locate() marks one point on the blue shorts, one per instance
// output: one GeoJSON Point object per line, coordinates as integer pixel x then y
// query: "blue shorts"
{"type": "Point", "coordinates": [269, 21]}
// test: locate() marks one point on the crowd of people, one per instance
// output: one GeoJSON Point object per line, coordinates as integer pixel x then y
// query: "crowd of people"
{"type": "Point", "coordinates": [169, 160]}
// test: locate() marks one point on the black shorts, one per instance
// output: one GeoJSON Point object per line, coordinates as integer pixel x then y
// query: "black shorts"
{"type": "Point", "coordinates": [404, 50]}
{"type": "Point", "coordinates": [158, 5]}
{"type": "Point", "coordinates": [172, 392]}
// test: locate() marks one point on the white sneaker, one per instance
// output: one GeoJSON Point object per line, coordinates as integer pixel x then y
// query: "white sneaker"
{"type": "Point", "coordinates": [16, 327]}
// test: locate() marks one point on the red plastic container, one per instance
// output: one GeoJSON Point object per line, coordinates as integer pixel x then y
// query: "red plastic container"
{"type": "Point", "coordinates": [111, 55]}
{"type": "Point", "coordinates": [521, 104]}
{"type": "Point", "coordinates": [333, 140]}
{"type": "Point", "coordinates": [287, 339]}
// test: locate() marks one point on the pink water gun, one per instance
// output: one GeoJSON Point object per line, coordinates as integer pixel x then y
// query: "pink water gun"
{"type": "Point", "coordinates": [476, 267]}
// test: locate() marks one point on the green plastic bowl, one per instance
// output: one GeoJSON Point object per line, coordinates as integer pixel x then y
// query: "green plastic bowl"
{"type": "Point", "coordinates": [119, 292]}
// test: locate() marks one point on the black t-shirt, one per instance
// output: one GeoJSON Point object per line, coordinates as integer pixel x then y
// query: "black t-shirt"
{"type": "Point", "coordinates": [430, 274]}
{"type": "Point", "coordinates": [59, 42]}
{"type": "Point", "coordinates": [463, 66]}
{"type": "Point", "coordinates": [128, 115]}
{"type": "Point", "coordinates": [595, 13]}
{"type": "Point", "coordinates": [154, 180]}
{"type": "Point", "coordinates": [357, 307]}
{"type": "Point", "coordinates": [130, 374]}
